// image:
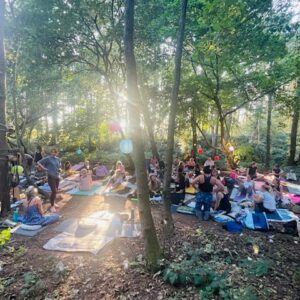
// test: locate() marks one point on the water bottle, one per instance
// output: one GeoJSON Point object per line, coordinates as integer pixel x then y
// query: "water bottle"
{"type": "Point", "coordinates": [16, 215]}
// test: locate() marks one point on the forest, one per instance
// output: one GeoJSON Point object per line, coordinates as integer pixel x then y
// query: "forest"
{"type": "Point", "coordinates": [109, 81]}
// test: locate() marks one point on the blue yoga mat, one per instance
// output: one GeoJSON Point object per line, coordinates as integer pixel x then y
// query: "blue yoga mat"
{"type": "Point", "coordinates": [77, 192]}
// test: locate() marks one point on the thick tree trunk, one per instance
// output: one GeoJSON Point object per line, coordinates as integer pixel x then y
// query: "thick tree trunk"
{"type": "Point", "coordinates": [294, 133]}
{"type": "Point", "coordinates": [268, 139]}
{"type": "Point", "coordinates": [152, 248]}
{"type": "Point", "coordinates": [4, 189]}
{"type": "Point", "coordinates": [172, 116]}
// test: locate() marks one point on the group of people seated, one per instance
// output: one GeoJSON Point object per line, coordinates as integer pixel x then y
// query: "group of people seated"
{"type": "Point", "coordinates": [214, 193]}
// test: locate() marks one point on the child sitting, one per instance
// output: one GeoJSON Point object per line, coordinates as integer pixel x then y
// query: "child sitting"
{"type": "Point", "coordinates": [85, 180]}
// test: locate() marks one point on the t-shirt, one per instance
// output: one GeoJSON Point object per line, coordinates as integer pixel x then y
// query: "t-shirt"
{"type": "Point", "coordinates": [38, 156]}
{"type": "Point", "coordinates": [252, 171]}
{"type": "Point", "coordinates": [52, 164]}
{"type": "Point", "coordinates": [101, 171]}
{"type": "Point", "coordinates": [248, 184]}
{"type": "Point", "coordinates": [180, 185]}
{"type": "Point", "coordinates": [269, 201]}
{"type": "Point", "coordinates": [209, 163]}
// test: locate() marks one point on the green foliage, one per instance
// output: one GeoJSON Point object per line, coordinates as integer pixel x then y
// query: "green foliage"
{"type": "Point", "coordinates": [256, 268]}
{"type": "Point", "coordinates": [4, 236]}
{"type": "Point", "coordinates": [33, 285]}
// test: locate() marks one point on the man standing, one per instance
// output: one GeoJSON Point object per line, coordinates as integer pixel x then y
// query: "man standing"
{"type": "Point", "coordinates": [52, 165]}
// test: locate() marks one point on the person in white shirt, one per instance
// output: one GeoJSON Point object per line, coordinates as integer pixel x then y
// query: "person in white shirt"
{"type": "Point", "coordinates": [265, 201]}
{"type": "Point", "coordinates": [209, 163]}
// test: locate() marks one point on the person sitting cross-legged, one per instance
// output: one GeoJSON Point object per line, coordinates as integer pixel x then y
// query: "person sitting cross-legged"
{"type": "Point", "coordinates": [34, 212]}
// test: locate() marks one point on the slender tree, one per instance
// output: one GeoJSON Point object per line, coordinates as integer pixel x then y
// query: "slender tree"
{"type": "Point", "coordinates": [294, 128]}
{"type": "Point", "coordinates": [172, 115]}
{"type": "Point", "coordinates": [4, 190]}
{"type": "Point", "coordinates": [152, 248]}
{"type": "Point", "coordinates": [269, 125]}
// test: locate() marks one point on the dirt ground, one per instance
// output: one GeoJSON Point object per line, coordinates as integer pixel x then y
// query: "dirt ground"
{"type": "Point", "coordinates": [117, 271]}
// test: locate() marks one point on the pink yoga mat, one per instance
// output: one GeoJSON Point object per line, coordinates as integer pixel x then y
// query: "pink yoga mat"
{"type": "Point", "coordinates": [294, 198]}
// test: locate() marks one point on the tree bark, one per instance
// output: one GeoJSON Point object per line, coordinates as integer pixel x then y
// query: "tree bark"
{"type": "Point", "coordinates": [152, 248]}
{"type": "Point", "coordinates": [4, 188]}
{"type": "Point", "coordinates": [194, 133]}
{"type": "Point", "coordinates": [172, 116]}
{"type": "Point", "coordinates": [149, 125]}
{"type": "Point", "coordinates": [294, 132]}
{"type": "Point", "coordinates": [268, 139]}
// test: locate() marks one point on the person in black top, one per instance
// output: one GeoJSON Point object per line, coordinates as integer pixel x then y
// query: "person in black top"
{"type": "Point", "coordinates": [252, 171]}
{"type": "Point", "coordinates": [277, 171]}
{"type": "Point", "coordinates": [204, 197]}
{"type": "Point", "coordinates": [38, 154]}
{"type": "Point", "coordinates": [179, 194]}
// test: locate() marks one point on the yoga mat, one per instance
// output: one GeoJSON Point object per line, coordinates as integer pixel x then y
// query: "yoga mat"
{"type": "Point", "coordinates": [239, 198]}
{"type": "Point", "coordinates": [190, 190]}
{"type": "Point", "coordinates": [282, 216]}
{"type": "Point", "coordinates": [75, 239]}
{"type": "Point", "coordinates": [29, 233]}
{"type": "Point", "coordinates": [77, 167]}
{"type": "Point", "coordinates": [295, 198]}
{"type": "Point", "coordinates": [92, 242]}
{"type": "Point", "coordinates": [77, 192]}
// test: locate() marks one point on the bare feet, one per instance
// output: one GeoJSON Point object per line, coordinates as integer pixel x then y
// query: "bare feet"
{"type": "Point", "coordinates": [52, 209]}
{"type": "Point", "coordinates": [56, 205]}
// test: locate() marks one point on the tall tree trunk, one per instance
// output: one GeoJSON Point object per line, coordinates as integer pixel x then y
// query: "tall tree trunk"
{"type": "Point", "coordinates": [4, 189]}
{"type": "Point", "coordinates": [194, 133]}
{"type": "Point", "coordinates": [149, 125]}
{"type": "Point", "coordinates": [268, 139]}
{"type": "Point", "coordinates": [14, 100]}
{"type": "Point", "coordinates": [172, 116]}
{"type": "Point", "coordinates": [118, 116]}
{"type": "Point", "coordinates": [294, 131]}
{"type": "Point", "coordinates": [152, 248]}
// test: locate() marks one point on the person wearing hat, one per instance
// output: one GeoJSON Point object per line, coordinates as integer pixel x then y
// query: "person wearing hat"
{"type": "Point", "coordinates": [34, 212]}
{"type": "Point", "coordinates": [264, 201]}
